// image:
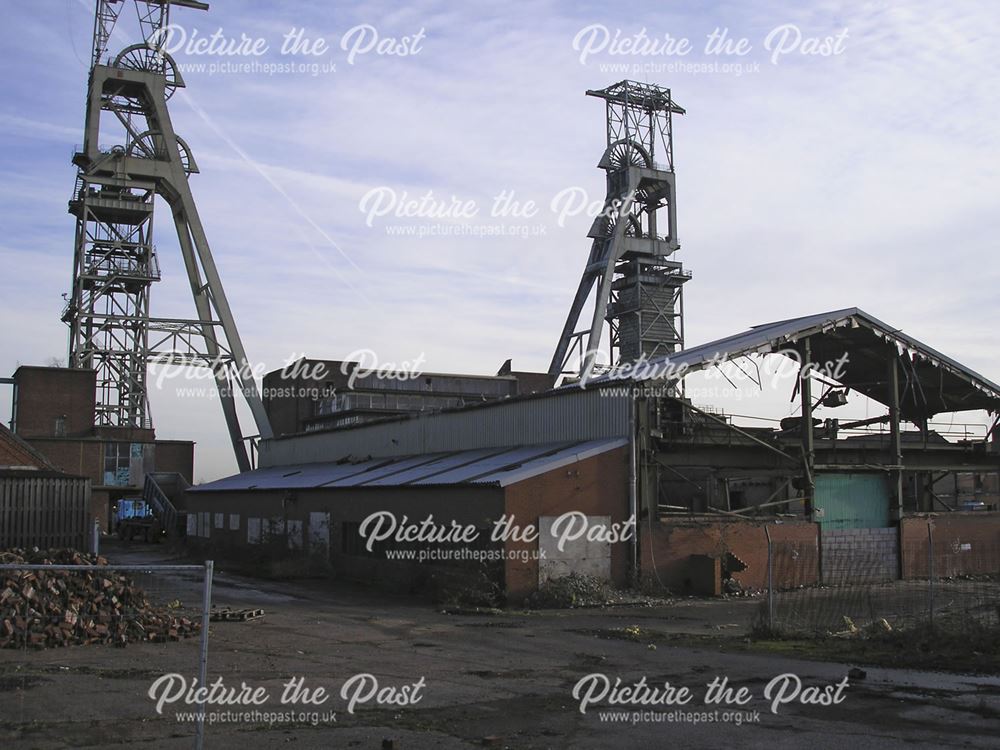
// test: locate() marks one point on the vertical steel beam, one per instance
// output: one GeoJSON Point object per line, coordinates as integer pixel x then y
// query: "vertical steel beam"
{"type": "Point", "coordinates": [206, 610]}
{"type": "Point", "coordinates": [806, 424]}
{"type": "Point", "coordinates": [896, 473]}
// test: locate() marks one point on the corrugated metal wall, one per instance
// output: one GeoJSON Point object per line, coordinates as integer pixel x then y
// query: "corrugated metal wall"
{"type": "Point", "coordinates": [570, 415]}
{"type": "Point", "coordinates": [44, 512]}
{"type": "Point", "coordinates": [853, 501]}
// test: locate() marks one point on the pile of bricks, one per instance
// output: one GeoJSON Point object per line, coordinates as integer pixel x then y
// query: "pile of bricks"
{"type": "Point", "coordinates": [52, 608]}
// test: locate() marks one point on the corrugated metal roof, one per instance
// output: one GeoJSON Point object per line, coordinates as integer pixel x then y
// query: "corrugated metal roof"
{"type": "Point", "coordinates": [486, 467]}
{"type": "Point", "coordinates": [514, 473]}
{"type": "Point", "coordinates": [941, 384]}
{"type": "Point", "coordinates": [383, 467]}
{"type": "Point", "coordinates": [757, 339]}
{"type": "Point", "coordinates": [428, 472]}
{"type": "Point", "coordinates": [504, 460]}
{"type": "Point", "coordinates": [763, 338]}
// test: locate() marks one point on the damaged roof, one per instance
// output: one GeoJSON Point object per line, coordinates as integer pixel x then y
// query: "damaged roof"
{"type": "Point", "coordinates": [929, 382]}
{"type": "Point", "coordinates": [497, 467]}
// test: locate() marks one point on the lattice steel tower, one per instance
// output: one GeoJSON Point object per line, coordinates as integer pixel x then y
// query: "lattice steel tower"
{"type": "Point", "coordinates": [638, 286]}
{"type": "Point", "coordinates": [114, 261]}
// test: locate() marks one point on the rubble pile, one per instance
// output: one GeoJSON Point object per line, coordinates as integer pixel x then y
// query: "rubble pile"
{"type": "Point", "coordinates": [52, 608]}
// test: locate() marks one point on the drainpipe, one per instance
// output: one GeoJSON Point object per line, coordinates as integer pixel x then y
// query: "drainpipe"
{"type": "Point", "coordinates": [770, 581]}
{"type": "Point", "coordinates": [632, 490]}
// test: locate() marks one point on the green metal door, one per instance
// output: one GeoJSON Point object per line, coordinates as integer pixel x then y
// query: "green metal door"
{"type": "Point", "coordinates": [852, 501]}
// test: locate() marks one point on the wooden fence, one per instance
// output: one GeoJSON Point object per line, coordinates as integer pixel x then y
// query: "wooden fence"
{"type": "Point", "coordinates": [45, 512]}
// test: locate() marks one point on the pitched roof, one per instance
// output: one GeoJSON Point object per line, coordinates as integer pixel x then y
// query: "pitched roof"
{"type": "Point", "coordinates": [496, 467]}
{"type": "Point", "coordinates": [15, 453]}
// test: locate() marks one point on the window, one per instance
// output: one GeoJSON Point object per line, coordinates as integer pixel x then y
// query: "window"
{"type": "Point", "coordinates": [117, 457]}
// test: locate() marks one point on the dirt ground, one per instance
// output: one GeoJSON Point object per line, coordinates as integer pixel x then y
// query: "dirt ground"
{"type": "Point", "coordinates": [494, 680]}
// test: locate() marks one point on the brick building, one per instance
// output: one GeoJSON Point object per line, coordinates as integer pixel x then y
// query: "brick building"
{"type": "Point", "coordinates": [54, 411]}
{"type": "Point", "coordinates": [40, 506]}
{"type": "Point", "coordinates": [707, 492]}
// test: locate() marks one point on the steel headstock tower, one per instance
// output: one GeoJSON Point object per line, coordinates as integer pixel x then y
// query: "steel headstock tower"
{"type": "Point", "coordinates": [638, 286]}
{"type": "Point", "coordinates": [114, 260]}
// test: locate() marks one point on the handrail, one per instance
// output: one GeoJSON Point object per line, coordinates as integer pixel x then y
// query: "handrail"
{"type": "Point", "coordinates": [156, 499]}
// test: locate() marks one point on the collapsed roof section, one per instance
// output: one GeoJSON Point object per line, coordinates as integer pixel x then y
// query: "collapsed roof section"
{"type": "Point", "coordinates": [931, 383]}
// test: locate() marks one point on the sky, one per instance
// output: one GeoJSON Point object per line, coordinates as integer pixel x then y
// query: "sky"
{"type": "Point", "coordinates": [845, 154]}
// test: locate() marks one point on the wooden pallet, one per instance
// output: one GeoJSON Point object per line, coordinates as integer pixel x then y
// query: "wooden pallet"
{"type": "Point", "coordinates": [228, 614]}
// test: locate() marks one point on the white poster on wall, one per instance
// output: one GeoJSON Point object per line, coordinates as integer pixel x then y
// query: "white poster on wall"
{"type": "Point", "coordinates": [253, 531]}
{"type": "Point", "coordinates": [577, 555]}
{"type": "Point", "coordinates": [319, 532]}
{"type": "Point", "coordinates": [275, 526]}
{"type": "Point", "coordinates": [294, 531]}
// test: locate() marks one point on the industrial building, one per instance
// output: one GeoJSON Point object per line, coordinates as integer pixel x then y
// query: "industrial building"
{"type": "Point", "coordinates": [620, 444]}
{"type": "Point", "coordinates": [40, 506]}
{"type": "Point", "coordinates": [618, 448]}
{"type": "Point", "coordinates": [313, 394]}
{"type": "Point", "coordinates": [54, 410]}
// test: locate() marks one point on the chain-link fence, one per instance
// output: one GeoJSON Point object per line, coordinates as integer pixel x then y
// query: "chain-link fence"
{"type": "Point", "coordinates": [74, 600]}
{"type": "Point", "coordinates": [817, 590]}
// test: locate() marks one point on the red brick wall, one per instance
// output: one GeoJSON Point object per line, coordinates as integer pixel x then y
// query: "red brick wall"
{"type": "Point", "coordinates": [597, 486]}
{"type": "Point", "coordinates": [14, 452]}
{"type": "Point", "coordinates": [667, 548]}
{"type": "Point", "coordinates": [176, 456]}
{"type": "Point", "coordinates": [82, 458]}
{"type": "Point", "coordinates": [964, 543]}
{"type": "Point", "coordinates": [472, 505]}
{"type": "Point", "coordinates": [45, 393]}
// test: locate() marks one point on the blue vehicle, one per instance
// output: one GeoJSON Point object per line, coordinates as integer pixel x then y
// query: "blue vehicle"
{"type": "Point", "coordinates": [134, 518]}
{"type": "Point", "coordinates": [132, 508]}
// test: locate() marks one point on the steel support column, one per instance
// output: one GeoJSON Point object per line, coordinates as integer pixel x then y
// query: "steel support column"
{"type": "Point", "coordinates": [895, 474]}
{"type": "Point", "coordinates": [806, 425]}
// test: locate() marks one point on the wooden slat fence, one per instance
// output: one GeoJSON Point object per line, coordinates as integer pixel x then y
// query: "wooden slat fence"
{"type": "Point", "coordinates": [45, 512]}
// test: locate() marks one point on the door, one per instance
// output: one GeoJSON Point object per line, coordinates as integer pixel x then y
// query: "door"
{"type": "Point", "coordinates": [852, 501]}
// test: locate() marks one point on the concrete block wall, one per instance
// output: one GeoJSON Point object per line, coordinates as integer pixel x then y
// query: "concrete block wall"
{"type": "Point", "coordinates": [859, 555]}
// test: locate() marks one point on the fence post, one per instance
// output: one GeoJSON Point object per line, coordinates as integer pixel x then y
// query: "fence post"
{"type": "Point", "coordinates": [206, 607]}
{"type": "Point", "coordinates": [930, 573]}
{"type": "Point", "coordinates": [770, 582]}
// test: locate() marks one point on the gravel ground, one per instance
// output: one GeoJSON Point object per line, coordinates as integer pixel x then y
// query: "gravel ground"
{"type": "Point", "coordinates": [500, 680]}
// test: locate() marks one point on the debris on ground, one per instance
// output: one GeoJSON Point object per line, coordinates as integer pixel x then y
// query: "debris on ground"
{"type": "Point", "coordinates": [850, 629]}
{"type": "Point", "coordinates": [52, 608]}
{"type": "Point", "coordinates": [575, 590]}
{"type": "Point", "coordinates": [731, 586]}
